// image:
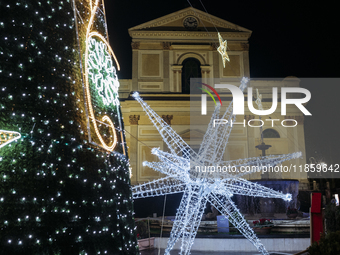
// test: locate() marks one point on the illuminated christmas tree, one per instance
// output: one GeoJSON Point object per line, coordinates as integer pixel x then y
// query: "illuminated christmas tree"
{"type": "Point", "coordinates": [64, 184]}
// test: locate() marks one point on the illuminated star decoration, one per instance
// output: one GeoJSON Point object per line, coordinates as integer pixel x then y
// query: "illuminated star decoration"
{"type": "Point", "coordinates": [7, 137]}
{"type": "Point", "coordinates": [179, 164]}
{"type": "Point", "coordinates": [102, 72]}
{"type": "Point", "coordinates": [222, 49]}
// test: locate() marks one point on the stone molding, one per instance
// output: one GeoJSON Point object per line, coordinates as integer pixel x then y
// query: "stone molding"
{"type": "Point", "coordinates": [166, 45]}
{"type": "Point", "coordinates": [206, 69]}
{"type": "Point", "coordinates": [245, 46]}
{"type": "Point", "coordinates": [177, 68]}
{"type": "Point", "coordinates": [135, 45]}
{"type": "Point", "coordinates": [133, 119]}
{"type": "Point", "coordinates": [249, 117]}
{"type": "Point", "coordinates": [300, 119]}
{"type": "Point", "coordinates": [167, 118]}
{"type": "Point", "coordinates": [181, 14]}
{"type": "Point", "coordinates": [184, 35]}
{"type": "Point", "coordinates": [214, 46]}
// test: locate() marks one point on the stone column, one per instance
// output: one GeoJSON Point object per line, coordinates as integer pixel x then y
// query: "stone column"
{"type": "Point", "coordinates": [245, 48]}
{"type": "Point", "coordinates": [166, 66]}
{"type": "Point", "coordinates": [177, 73]}
{"type": "Point", "coordinates": [216, 64]}
{"type": "Point", "coordinates": [135, 48]}
{"type": "Point", "coordinates": [167, 119]}
{"type": "Point", "coordinates": [205, 74]}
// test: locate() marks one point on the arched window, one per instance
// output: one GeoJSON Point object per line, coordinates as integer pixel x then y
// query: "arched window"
{"type": "Point", "coordinates": [191, 69]}
{"type": "Point", "coordinates": [270, 133]}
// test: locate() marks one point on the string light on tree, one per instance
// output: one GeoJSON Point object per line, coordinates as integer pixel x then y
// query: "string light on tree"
{"type": "Point", "coordinates": [60, 194]}
{"type": "Point", "coordinates": [180, 167]}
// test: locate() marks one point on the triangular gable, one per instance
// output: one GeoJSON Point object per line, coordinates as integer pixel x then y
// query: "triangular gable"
{"type": "Point", "coordinates": [174, 21]}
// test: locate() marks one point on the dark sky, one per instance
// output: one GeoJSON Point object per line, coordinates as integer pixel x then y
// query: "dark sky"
{"type": "Point", "coordinates": [298, 38]}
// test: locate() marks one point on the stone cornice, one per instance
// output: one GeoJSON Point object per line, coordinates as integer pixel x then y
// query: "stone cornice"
{"type": "Point", "coordinates": [249, 117]}
{"type": "Point", "coordinates": [133, 119]}
{"type": "Point", "coordinates": [186, 35]}
{"type": "Point", "coordinates": [300, 119]}
{"type": "Point", "coordinates": [167, 118]}
{"type": "Point", "coordinates": [135, 45]}
{"type": "Point", "coordinates": [166, 45]}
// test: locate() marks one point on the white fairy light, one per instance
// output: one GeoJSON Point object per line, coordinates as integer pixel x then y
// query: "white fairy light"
{"type": "Point", "coordinates": [102, 72]}
{"type": "Point", "coordinates": [199, 188]}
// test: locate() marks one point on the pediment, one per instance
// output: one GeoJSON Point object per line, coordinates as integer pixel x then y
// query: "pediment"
{"type": "Point", "coordinates": [174, 22]}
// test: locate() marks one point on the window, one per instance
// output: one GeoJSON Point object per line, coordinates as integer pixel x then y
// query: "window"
{"type": "Point", "coordinates": [191, 69]}
{"type": "Point", "coordinates": [270, 133]}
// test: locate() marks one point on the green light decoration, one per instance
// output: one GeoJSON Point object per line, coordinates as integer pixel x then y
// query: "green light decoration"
{"type": "Point", "coordinates": [102, 73]}
{"type": "Point", "coordinates": [60, 193]}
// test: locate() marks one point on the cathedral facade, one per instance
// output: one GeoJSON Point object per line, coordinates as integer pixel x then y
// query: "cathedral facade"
{"type": "Point", "coordinates": [170, 50]}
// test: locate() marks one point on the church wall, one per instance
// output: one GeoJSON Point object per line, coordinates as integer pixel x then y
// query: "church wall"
{"type": "Point", "coordinates": [157, 75]}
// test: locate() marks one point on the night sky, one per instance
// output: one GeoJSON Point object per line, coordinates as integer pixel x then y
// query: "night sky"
{"type": "Point", "coordinates": [290, 38]}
